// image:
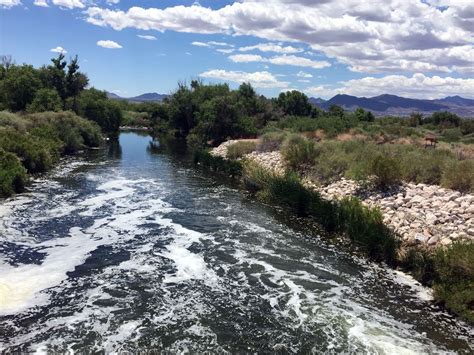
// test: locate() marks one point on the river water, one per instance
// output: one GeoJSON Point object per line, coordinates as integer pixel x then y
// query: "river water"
{"type": "Point", "coordinates": [133, 248]}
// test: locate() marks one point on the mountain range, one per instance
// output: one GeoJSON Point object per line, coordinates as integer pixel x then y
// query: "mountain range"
{"type": "Point", "coordinates": [379, 105]}
{"type": "Point", "coordinates": [148, 97]}
{"type": "Point", "coordinates": [399, 106]}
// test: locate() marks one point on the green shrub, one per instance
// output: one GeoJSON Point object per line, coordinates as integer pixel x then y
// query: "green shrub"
{"type": "Point", "coordinates": [365, 227]}
{"type": "Point", "coordinates": [386, 171]}
{"type": "Point", "coordinates": [454, 283]}
{"type": "Point", "coordinates": [271, 141]}
{"type": "Point", "coordinates": [452, 135]}
{"type": "Point", "coordinates": [298, 151]}
{"type": "Point", "coordinates": [459, 176]}
{"type": "Point", "coordinates": [217, 164]}
{"type": "Point", "coordinates": [12, 174]}
{"type": "Point", "coordinates": [239, 149]}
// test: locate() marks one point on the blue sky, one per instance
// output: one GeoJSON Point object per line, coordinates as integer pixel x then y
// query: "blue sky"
{"type": "Point", "coordinates": [346, 46]}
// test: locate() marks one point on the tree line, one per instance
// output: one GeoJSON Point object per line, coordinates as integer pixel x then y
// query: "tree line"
{"type": "Point", "coordinates": [59, 86]}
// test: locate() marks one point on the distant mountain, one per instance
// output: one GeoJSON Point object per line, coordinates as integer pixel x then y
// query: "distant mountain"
{"type": "Point", "coordinates": [352, 102]}
{"type": "Point", "coordinates": [148, 97]}
{"type": "Point", "coordinates": [401, 106]}
{"type": "Point", "coordinates": [456, 100]}
{"type": "Point", "coordinates": [415, 105]}
{"type": "Point", "coordinates": [316, 100]}
{"type": "Point", "coordinates": [151, 96]}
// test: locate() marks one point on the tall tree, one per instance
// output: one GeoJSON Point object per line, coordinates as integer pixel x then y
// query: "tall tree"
{"type": "Point", "coordinates": [75, 81]}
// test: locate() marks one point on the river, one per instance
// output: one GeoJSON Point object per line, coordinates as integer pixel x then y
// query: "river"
{"type": "Point", "coordinates": [133, 248]}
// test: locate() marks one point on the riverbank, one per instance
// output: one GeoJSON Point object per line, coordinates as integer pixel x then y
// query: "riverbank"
{"type": "Point", "coordinates": [421, 214]}
{"type": "Point", "coordinates": [433, 225]}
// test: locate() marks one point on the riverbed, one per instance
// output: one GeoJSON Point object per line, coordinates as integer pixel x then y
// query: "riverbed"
{"type": "Point", "coordinates": [133, 248]}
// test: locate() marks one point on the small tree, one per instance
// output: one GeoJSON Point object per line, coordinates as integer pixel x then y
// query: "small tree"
{"type": "Point", "coordinates": [45, 100]}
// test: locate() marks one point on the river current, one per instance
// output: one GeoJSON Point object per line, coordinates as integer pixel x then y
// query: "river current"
{"type": "Point", "coordinates": [133, 248]}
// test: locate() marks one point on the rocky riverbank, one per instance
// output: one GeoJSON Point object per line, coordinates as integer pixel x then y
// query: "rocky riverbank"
{"type": "Point", "coordinates": [420, 214]}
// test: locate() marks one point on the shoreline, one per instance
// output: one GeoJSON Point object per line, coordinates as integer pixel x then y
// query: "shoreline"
{"type": "Point", "coordinates": [422, 215]}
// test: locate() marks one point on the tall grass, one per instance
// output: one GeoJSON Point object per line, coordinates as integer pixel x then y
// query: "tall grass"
{"type": "Point", "coordinates": [218, 164]}
{"type": "Point", "coordinates": [239, 149]}
{"type": "Point", "coordinates": [363, 225]}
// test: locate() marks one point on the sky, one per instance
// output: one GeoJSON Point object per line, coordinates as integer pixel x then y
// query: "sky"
{"type": "Point", "coordinates": [414, 48]}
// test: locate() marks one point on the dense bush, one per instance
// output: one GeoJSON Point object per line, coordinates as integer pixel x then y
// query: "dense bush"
{"type": "Point", "coordinates": [37, 140]}
{"type": "Point", "coordinates": [386, 171]}
{"type": "Point", "coordinates": [459, 175]}
{"type": "Point", "coordinates": [239, 149]}
{"type": "Point", "coordinates": [298, 151]}
{"type": "Point", "coordinates": [12, 174]}
{"type": "Point", "coordinates": [454, 280]}
{"type": "Point", "coordinates": [271, 141]}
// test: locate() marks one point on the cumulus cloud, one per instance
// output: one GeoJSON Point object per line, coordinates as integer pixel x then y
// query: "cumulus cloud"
{"type": "Point", "coordinates": [260, 79]}
{"type": "Point", "coordinates": [58, 49]}
{"type": "Point", "coordinates": [9, 3]}
{"type": "Point", "coordinates": [147, 37]}
{"type": "Point", "coordinates": [280, 60]}
{"type": "Point", "coordinates": [417, 86]}
{"type": "Point", "coordinates": [70, 4]}
{"type": "Point", "coordinates": [41, 3]}
{"type": "Point", "coordinates": [108, 44]}
{"type": "Point", "coordinates": [302, 74]}
{"type": "Point", "coordinates": [372, 36]}
{"type": "Point", "coordinates": [272, 47]}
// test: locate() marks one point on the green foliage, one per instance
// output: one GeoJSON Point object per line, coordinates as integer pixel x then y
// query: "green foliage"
{"type": "Point", "coordinates": [454, 281]}
{"type": "Point", "coordinates": [239, 149]}
{"type": "Point", "coordinates": [37, 140]}
{"type": "Point", "coordinates": [363, 115]}
{"type": "Point", "coordinates": [218, 164]}
{"type": "Point", "coordinates": [94, 105]}
{"type": "Point", "coordinates": [365, 226]}
{"type": "Point", "coordinates": [294, 103]}
{"type": "Point", "coordinates": [362, 225]}
{"type": "Point", "coordinates": [386, 171]}
{"type": "Point", "coordinates": [45, 100]}
{"type": "Point", "coordinates": [271, 141]}
{"type": "Point", "coordinates": [298, 151]}
{"type": "Point", "coordinates": [12, 174]}
{"type": "Point", "coordinates": [459, 175]}
{"type": "Point", "coordinates": [445, 119]}
{"type": "Point", "coordinates": [19, 86]}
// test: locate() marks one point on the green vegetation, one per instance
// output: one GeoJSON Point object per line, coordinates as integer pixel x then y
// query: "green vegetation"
{"type": "Point", "coordinates": [34, 142]}
{"type": "Point", "coordinates": [364, 226]}
{"type": "Point", "coordinates": [450, 271]}
{"type": "Point", "coordinates": [218, 164]}
{"type": "Point", "coordinates": [298, 151]}
{"type": "Point", "coordinates": [57, 87]}
{"type": "Point", "coordinates": [239, 149]}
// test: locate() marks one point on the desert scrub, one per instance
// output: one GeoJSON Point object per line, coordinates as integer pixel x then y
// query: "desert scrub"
{"type": "Point", "coordinates": [386, 172]}
{"type": "Point", "coordinates": [459, 176]}
{"type": "Point", "coordinates": [13, 175]}
{"type": "Point", "coordinates": [271, 141]}
{"type": "Point", "coordinates": [298, 151]}
{"type": "Point", "coordinates": [239, 149]}
{"type": "Point", "coordinates": [454, 281]}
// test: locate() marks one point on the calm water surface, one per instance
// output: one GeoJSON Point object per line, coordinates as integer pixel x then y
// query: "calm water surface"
{"type": "Point", "coordinates": [135, 249]}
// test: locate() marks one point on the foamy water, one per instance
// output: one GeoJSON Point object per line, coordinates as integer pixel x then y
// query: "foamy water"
{"type": "Point", "coordinates": [139, 253]}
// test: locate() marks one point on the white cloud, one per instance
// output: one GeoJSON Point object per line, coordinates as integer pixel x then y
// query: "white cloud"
{"type": "Point", "coordinates": [41, 3]}
{"type": "Point", "coordinates": [9, 3]}
{"type": "Point", "coordinates": [272, 47]}
{"type": "Point", "coordinates": [200, 44]}
{"type": "Point", "coordinates": [108, 44]}
{"type": "Point", "coordinates": [370, 36]}
{"type": "Point", "coordinates": [147, 37]}
{"type": "Point", "coordinates": [280, 60]}
{"type": "Point", "coordinates": [225, 51]}
{"type": "Point", "coordinates": [211, 44]}
{"type": "Point", "coordinates": [302, 74]}
{"type": "Point", "coordinates": [417, 86]}
{"type": "Point", "coordinates": [58, 49]}
{"type": "Point", "coordinates": [70, 4]}
{"type": "Point", "coordinates": [115, 2]}
{"type": "Point", "coordinates": [261, 79]}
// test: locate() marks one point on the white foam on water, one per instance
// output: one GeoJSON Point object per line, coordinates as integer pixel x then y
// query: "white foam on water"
{"type": "Point", "coordinates": [423, 293]}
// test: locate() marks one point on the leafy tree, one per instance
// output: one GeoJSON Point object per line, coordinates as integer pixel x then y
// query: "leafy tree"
{"type": "Point", "coordinates": [363, 115]}
{"type": "Point", "coordinates": [415, 119]}
{"type": "Point", "coordinates": [75, 81]}
{"type": "Point", "coordinates": [445, 119]}
{"type": "Point", "coordinates": [336, 111]}
{"type": "Point", "coordinates": [294, 103]}
{"type": "Point", "coordinates": [20, 86]}
{"type": "Point", "coordinates": [45, 100]}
